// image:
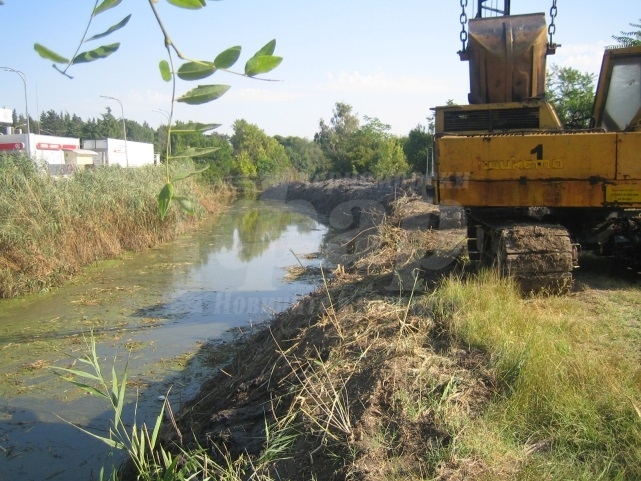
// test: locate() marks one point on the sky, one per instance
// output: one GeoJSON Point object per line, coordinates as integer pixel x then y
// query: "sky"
{"type": "Point", "coordinates": [391, 60]}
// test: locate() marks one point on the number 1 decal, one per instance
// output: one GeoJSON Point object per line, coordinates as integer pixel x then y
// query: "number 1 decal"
{"type": "Point", "coordinates": [538, 150]}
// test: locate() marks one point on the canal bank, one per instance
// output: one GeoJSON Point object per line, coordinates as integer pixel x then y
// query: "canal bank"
{"type": "Point", "coordinates": [412, 363]}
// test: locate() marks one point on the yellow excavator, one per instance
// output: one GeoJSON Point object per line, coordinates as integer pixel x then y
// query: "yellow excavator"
{"type": "Point", "coordinates": [536, 194]}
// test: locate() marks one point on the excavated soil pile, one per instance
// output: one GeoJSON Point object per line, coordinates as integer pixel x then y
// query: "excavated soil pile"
{"type": "Point", "coordinates": [326, 196]}
{"type": "Point", "coordinates": [355, 381]}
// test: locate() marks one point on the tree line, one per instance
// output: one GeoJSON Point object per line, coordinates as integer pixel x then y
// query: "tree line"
{"type": "Point", "coordinates": [346, 144]}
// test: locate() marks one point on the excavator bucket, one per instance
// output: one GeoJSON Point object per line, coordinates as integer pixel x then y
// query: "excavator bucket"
{"type": "Point", "coordinates": [507, 58]}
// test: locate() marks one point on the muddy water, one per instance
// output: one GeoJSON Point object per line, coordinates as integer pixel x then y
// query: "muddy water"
{"type": "Point", "coordinates": [151, 310]}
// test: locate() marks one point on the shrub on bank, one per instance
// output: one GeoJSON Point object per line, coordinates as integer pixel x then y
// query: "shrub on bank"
{"type": "Point", "coordinates": [50, 226]}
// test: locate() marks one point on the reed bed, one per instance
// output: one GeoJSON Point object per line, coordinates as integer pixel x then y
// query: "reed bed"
{"type": "Point", "coordinates": [51, 226]}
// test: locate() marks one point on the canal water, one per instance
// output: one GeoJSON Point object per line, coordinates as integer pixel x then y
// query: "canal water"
{"type": "Point", "coordinates": [151, 311]}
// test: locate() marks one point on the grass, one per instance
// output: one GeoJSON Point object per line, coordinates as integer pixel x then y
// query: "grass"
{"type": "Point", "coordinates": [567, 373]}
{"type": "Point", "coordinates": [50, 227]}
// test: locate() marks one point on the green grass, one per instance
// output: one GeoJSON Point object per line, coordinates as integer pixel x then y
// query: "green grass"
{"type": "Point", "coordinates": [568, 374]}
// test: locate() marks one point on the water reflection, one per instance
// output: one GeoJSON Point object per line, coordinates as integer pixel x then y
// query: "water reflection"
{"type": "Point", "coordinates": [256, 225]}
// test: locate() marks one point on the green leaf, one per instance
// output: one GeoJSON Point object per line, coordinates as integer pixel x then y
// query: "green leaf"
{"type": "Point", "coordinates": [185, 204]}
{"type": "Point", "coordinates": [164, 198]}
{"type": "Point", "coordinates": [203, 94]}
{"type": "Point", "coordinates": [44, 52]}
{"type": "Point", "coordinates": [192, 4]}
{"type": "Point", "coordinates": [157, 424]}
{"type": "Point", "coordinates": [165, 71]}
{"type": "Point", "coordinates": [98, 53]}
{"type": "Point", "coordinates": [114, 384]}
{"type": "Point", "coordinates": [227, 58]}
{"type": "Point", "coordinates": [121, 397]}
{"type": "Point", "coordinates": [108, 441]}
{"type": "Point", "coordinates": [191, 174]}
{"type": "Point", "coordinates": [196, 70]}
{"type": "Point", "coordinates": [268, 49]}
{"type": "Point", "coordinates": [106, 5]}
{"type": "Point", "coordinates": [193, 152]}
{"type": "Point", "coordinates": [89, 389]}
{"type": "Point", "coordinates": [77, 372]}
{"type": "Point", "coordinates": [192, 127]}
{"type": "Point", "coordinates": [111, 29]}
{"type": "Point", "coordinates": [261, 64]}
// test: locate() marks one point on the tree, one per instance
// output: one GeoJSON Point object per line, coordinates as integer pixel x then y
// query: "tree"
{"type": "Point", "coordinates": [109, 127]}
{"type": "Point", "coordinates": [389, 159]}
{"type": "Point", "coordinates": [221, 161]}
{"type": "Point", "coordinates": [138, 132]}
{"type": "Point", "coordinates": [52, 123]}
{"type": "Point", "coordinates": [377, 151]}
{"type": "Point", "coordinates": [352, 149]}
{"type": "Point", "coordinates": [305, 155]}
{"type": "Point", "coordinates": [417, 147]}
{"type": "Point", "coordinates": [264, 153]}
{"type": "Point", "coordinates": [334, 138]}
{"type": "Point", "coordinates": [572, 94]}
{"type": "Point", "coordinates": [629, 39]}
{"type": "Point", "coordinates": [73, 125]}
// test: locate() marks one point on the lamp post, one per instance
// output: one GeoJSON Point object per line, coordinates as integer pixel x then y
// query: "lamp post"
{"type": "Point", "coordinates": [26, 102]}
{"type": "Point", "coordinates": [124, 128]}
{"type": "Point", "coordinates": [166, 114]}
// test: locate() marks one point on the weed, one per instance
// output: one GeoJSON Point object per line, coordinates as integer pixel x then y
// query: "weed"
{"type": "Point", "coordinates": [151, 460]}
{"type": "Point", "coordinates": [564, 377]}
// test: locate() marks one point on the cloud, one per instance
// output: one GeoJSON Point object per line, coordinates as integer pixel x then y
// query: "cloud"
{"type": "Point", "coordinates": [583, 57]}
{"type": "Point", "coordinates": [381, 82]}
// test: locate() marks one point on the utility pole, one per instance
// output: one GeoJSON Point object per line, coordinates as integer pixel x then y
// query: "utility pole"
{"type": "Point", "coordinates": [124, 127]}
{"type": "Point", "coordinates": [26, 102]}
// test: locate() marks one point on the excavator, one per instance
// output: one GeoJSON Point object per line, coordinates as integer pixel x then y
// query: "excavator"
{"type": "Point", "coordinates": [536, 194]}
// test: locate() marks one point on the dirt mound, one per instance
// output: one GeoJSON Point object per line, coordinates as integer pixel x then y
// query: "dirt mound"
{"type": "Point", "coordinates": [327, 195]}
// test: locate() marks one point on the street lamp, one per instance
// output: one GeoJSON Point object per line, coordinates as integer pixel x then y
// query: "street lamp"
{"type": "Point", "coordinates": [167, 116]}
{"type": "Point", "coordinates": [26, 102]}
{"type": "Point", "coordinates": [124, 128]}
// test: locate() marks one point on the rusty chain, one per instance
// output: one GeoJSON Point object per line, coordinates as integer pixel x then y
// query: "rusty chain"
{"type": "Point", "coordinates": [463, 20]}
{"type": "Point", "coordinates": [552, 27]}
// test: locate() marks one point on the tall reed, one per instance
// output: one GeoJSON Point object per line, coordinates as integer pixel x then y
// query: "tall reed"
{"type": "Point", "coordinates": [50, 226]}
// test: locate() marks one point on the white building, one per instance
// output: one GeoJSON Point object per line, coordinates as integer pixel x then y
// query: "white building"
{"type": "Point", "coordinates": [44, 149]}
{"type": "Point", "coordinates": [120, 152]}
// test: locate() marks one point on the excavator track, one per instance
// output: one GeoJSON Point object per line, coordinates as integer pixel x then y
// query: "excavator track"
{"type": "Point", "coordinates": [540, 257]}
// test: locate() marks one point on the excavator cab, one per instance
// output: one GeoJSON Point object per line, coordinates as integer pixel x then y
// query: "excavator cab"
{"type": "Point", "coordinates": [617, 105]}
